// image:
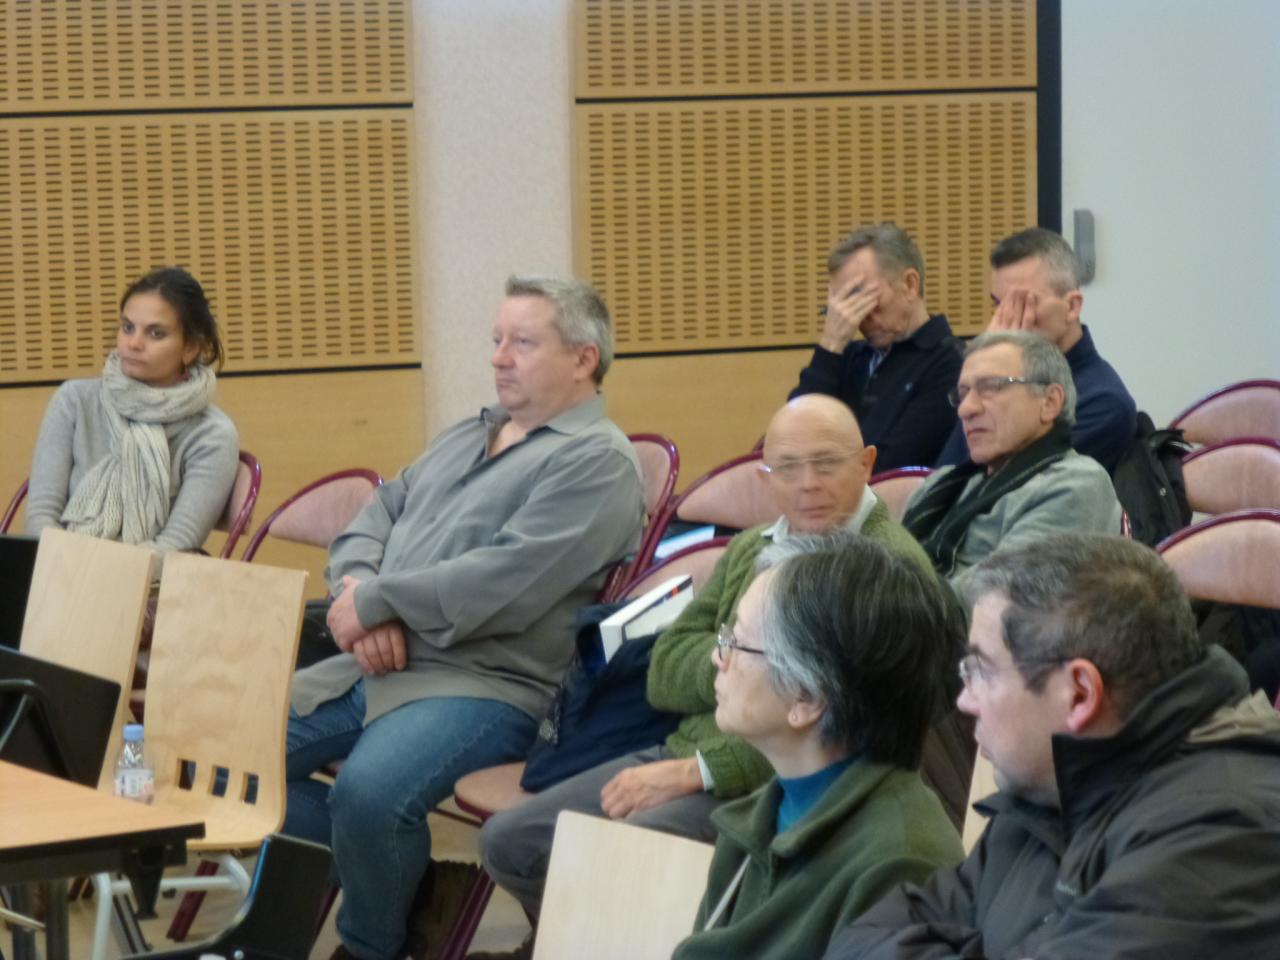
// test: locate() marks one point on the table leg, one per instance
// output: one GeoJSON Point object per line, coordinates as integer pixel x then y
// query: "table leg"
{"type": "Point", "coordinates": [24, 941]}
{"type": "Point", "coordinates": [57, 943]}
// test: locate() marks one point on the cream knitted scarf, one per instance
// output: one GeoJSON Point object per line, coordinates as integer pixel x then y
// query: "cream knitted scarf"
{"type": "Point", "coordinates": [125, 495]}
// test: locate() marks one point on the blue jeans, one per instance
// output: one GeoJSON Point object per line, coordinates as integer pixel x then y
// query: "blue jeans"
{"type": "Point", "coordinates": [375, 816]}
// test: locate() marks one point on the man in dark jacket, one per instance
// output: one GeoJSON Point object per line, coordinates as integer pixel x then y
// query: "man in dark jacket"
{"type": "Point", "coordinates": [1035, 283]}
{"type": "Point", "coordinates": [894, 378]}
{"type": "Point", "coordinates": [1138, 812]}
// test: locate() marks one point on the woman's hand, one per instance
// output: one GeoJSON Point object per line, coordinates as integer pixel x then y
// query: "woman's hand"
{"type": "Point", "coordinates": [650, 785]}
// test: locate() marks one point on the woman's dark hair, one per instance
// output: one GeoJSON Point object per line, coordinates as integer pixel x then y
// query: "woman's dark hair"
{"type": "Point", "coordinates": [183, 292]}
{"type": "Point", "coordinates": [871, 633]}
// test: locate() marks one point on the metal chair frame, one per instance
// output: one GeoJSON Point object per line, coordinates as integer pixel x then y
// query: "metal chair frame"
{"type": "Point", "coordinates": [236, 519]}
{"type": "Point", "coordinates": [644, 559]}
{"type": "Point", "coordinates": [11, 511]}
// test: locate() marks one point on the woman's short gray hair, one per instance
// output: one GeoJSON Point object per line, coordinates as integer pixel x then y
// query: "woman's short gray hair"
{"type": "Point", "coordinates": [1042, 362]}
{"type": "Point", "coordinates": [872, 635]}
{"type": "Point", "coordinates": [581, 315]}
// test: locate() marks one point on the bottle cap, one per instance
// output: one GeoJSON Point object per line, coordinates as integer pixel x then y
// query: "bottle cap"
{"type": "Point", "coordinates": [133, 732]}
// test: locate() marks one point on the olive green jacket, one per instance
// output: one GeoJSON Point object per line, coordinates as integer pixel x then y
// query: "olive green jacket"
{"type": "Point", "coordinates": [876, 827]}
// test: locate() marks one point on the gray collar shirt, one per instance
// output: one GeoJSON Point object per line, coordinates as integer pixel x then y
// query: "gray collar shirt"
{"type": "Point", "coordinates": [486, 560]}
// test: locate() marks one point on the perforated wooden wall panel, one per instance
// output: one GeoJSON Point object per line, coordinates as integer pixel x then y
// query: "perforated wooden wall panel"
{"type": "Point", "coordinates": [134, 54]}
{"type": "Point", "coordinates": [645, 48]}
{"type": "Point", "coordinates": [297, 223]}
{"type": "Point", "coordinates": [707, 224]}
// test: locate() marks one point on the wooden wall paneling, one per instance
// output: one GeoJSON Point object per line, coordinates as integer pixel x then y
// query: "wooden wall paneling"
{"type": "Point", "coordinates": [78, 55]}
{"type": "Point", "coordinates": [713, 405]}
{"type": "Point", "coordinates": [707, 224]}
{"type": "Point", "coordinates": [299, 225]}
{"type": "Point", "coordinates": [692, 48]}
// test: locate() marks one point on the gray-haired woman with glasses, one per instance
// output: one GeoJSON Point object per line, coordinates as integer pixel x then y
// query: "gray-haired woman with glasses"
{"type": "Point", "coordinates": [834, 668]}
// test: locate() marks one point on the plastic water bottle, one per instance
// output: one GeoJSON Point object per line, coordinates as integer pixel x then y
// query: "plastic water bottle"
{"type": "Point", "coordinates": [135, 780]}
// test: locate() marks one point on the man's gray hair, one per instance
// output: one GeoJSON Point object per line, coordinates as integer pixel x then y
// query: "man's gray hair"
{"type": "Point", "coordinates": [894, 250]}
{"type": "Point", "coordinates": [581, 315]}
{"type": "Point", "coordinates": [1054, 252]}
{"type": "Point", "coordinates": [1042, 361]}
{"type": "Point", "coordinates": [1098, 597]}
{"type": "Point", "coordinates": [869, 633]}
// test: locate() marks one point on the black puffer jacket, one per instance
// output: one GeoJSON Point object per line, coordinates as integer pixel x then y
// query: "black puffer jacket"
{"type": "Point", "coordinates": [1167, 846]}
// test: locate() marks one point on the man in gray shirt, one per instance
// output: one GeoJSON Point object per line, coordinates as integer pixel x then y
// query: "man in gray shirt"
{"type": "Point", "coordinates": [455, 593]}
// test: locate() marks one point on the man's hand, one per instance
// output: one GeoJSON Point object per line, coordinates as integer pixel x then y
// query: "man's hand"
{"type": "Point", "coordinates": [381, 650]}
{"type": "Point", "coordinates": [1017, 311]}
{"type": "Point", "coordinates": [846, 309]}
{"type": "Point", "coordinates": [342, 620]}
{"type": "Point", "coordinates": [650, 785]}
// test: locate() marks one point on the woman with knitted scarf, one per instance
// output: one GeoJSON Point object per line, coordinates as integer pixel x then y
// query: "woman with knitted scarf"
{"type": "Point", "coordinates": [141, 454]}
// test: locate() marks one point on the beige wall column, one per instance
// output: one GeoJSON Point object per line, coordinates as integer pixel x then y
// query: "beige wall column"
{"type": "Point", "coordinates": [492, 103]}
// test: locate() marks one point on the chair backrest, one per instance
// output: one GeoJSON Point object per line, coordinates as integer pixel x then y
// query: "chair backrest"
{"type": "Point", "coordinates": [320, 511]}
{"type": "Point", "coordinates": [238, 512]}
{"type": "Point", "coordinates": [1233, 475]}
{"type": "Point", "coordinates": [659, 466]}
{"type": "Point", "coordinates": [1229, 558]}
{"type": "Point", "coordinates": [15, 504]}
{"type": "Point", "coordinates": [1250, 408]}
{"type": "Point", "coordinates": [222, 655]}
{"type": "Point", "coordinates": [85, 611]}
{"type": "Point", "coordinates": [698, 561]}
{"type": "Point", "coordinates": [982, 785]}
{"type": "Point", "coordinates": [730, 495]}
{"type": "Point", "coordinates": [279, 918]}
{"type": "Point", "coordinates": [894, 487]}
{"type": "Point", "coordinates": [618, 891]}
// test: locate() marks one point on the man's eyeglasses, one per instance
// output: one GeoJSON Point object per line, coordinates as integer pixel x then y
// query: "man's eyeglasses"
{"type": "Point", "coordinates": [788, 471]}
{"type": "Point", "coordinates": [974, 668]}
{"type": "Point", "coordinates": [726, 642]}
{"type": "Point", "coordinates": [988, 387]}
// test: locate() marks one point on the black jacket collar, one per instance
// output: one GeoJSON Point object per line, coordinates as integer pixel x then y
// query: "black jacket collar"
{"type": "Point", "coordinates": [1091, 769]}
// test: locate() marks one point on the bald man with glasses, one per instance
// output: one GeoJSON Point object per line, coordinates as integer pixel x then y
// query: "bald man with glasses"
{"type": "Point", "coordinates": [1023, 483]}
{"type": "Point", "coordinates": [816, 467]}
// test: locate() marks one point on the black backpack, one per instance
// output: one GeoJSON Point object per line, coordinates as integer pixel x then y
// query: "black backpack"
{"type": "Point", "coordinates": [1148, 481]}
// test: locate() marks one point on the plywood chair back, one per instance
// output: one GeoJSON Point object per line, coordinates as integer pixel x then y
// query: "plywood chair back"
{"type": "Point", "coordinates": [85, 611]}
{"type": "Point", "coordinates": [618, 891]}
{"type": "Point", "coordinates": [894, 487]}
{"type": "Point", "coordinates": [222, 655]}
{"type": "Point", "coordinates": [1233, 475]}
{"type": "Point", "coordinates": [1230, 558]}
{"type": "Point", "coordinates": [317, 513]}
{"type": "Point", "coordinates": [1250, 408]}
{"type": "Point", "coordinates": [982, 785]}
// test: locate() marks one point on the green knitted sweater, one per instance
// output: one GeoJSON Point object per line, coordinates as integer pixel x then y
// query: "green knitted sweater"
{"type": "Point", "coordinates": [682, 676]}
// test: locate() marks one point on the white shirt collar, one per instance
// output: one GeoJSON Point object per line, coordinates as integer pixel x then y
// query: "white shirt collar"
{"type": "Point", "coordinates": [780, 529]}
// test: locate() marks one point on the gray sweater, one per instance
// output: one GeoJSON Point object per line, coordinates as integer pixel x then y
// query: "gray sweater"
{"type": "Point", "coordinates": [486, 560]}
{"type": "Point", "coordinates": [1072, 495]}
{"type": "Point", "coordinates": [75, 435]}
